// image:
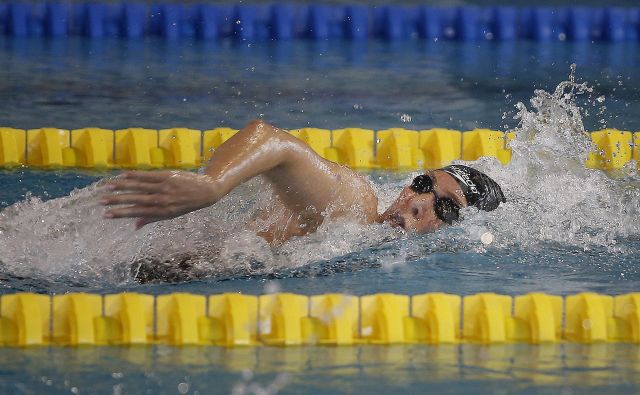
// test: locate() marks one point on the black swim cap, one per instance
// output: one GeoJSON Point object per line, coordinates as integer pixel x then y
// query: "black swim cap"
{"type": "Point", "coordinates": [480, 190]}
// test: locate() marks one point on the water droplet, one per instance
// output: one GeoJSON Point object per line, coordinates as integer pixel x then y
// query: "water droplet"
{"type": "Point", "coordinates": [183, 388]}
{"type": "Point", "coordinates": [247, 374]}
{"type": "Point", "coordinates": [272, 287]}
{"type": "Point", "coordinates": [486, 238]}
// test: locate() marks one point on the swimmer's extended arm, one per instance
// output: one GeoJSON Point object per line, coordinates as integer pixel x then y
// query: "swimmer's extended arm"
{"type": "Point", "coordinates": [300, 177]}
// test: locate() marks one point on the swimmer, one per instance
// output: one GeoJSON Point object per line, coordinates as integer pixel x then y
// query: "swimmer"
{"type": "Point", "coordinates": [308, 188]}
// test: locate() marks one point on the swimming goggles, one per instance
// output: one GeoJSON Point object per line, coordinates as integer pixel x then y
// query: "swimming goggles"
{"type": "Point", "coordinates": [446, 210]}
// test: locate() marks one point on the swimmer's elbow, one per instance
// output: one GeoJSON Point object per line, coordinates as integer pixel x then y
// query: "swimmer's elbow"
{"type": "Point", "coordinates": [256, 123]}
{"type": "Point", "coordinates": [263, 132]}
{"type": "Point", "coordinates": [280, 147]}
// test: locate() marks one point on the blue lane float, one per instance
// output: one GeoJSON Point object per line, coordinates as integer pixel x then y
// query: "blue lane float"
{"type": "Point", "coordinates": [504, 24]}
{"type": "Point", "coordinates": [56, 20]}
{"type": "Point", "coordinates": [206, 22]}
{"type": "Point", "coordinates": [17, 20]}
{"type": "Point", "coordinates": [614, 22]}
{"type": "Point", "coordinates": [132, 20]}
{"type": "Point", "coordinates": [287, 21]}
{"type": "Point", "coordinates": [93, 20]}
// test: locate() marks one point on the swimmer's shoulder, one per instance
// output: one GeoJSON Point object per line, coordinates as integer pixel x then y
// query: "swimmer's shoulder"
{"type": "Point", "coordinates": [357, 195]}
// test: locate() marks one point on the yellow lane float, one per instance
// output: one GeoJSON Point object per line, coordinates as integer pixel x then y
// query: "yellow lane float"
{"type": "Point", "coordinates": [182, 148]}
{"type": "Point", "coordinates": [286, 319]}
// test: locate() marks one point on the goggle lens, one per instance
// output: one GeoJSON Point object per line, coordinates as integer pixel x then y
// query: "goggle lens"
{"type": "Point", "coordinates": [446, 210]}
{"type": "Point", "coordinates": [422, 184]}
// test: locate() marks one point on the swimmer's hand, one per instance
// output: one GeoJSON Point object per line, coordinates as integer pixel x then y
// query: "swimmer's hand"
{"type": "Point", "coordinates": [151, 196]}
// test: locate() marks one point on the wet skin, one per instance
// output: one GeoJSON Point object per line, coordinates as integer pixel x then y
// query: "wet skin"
{"type": "Point", "coordinates": [307, 187]}
{"type": "Point", "coordinates": [415, 212]}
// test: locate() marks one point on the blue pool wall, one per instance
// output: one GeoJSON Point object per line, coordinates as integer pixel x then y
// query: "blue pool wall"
{"type": "Point", "coordinates": [318, 21]}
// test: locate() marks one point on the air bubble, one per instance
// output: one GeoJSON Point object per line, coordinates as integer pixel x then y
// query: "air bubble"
{"type": "Point", "coordinates": [183, 388]}
{"type": "Point", "coordinates": [486, 238]}
{"type": "Point", "coordinates": [272, 287]}
{"type": "Point", "coordinates": [247, 374]}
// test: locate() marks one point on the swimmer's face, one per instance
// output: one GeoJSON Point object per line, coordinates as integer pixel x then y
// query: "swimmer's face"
{"type": "Point", "coordinates": [416, 212]}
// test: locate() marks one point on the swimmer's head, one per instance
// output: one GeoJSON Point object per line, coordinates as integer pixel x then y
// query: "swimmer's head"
{"type": "Point", "coordinates": [479, 190]}
{"type": "Point", "coordinates": [435, 198]}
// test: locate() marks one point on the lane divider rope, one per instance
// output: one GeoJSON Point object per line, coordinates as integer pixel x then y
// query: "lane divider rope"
{"type": "Point", "coordinates": [318, 21]}
{"type": "Point", "coordinates": [393, 149]}
{"type": "Point", "coordinates": [286, 319]}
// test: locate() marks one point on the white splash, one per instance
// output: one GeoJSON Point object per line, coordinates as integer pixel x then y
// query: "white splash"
{"type": "Point", "coordinates": [67, 238]}
{"type": "Point", "coordinates": [552, 198]}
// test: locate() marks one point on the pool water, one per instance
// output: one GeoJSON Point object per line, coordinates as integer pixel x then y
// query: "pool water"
{"type": "Point", "coordinates": [445, 369]}
{"type": "Point", "coordinates": [74, 83]}
{"type": "Point", "coordinates": [564, 229]}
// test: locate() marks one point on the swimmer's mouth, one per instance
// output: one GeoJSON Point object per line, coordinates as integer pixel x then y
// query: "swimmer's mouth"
{"type": "Point", "coordinates": [396, 220]}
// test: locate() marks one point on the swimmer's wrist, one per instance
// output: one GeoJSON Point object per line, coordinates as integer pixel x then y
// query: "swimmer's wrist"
{"type": "Point", "coordinates": [214, 190]}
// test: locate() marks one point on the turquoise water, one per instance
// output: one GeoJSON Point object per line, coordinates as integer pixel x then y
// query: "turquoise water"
{"type": "Point", "coordinates": [564, 229]}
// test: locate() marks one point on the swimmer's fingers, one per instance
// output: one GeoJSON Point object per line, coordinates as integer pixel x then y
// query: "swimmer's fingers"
{"type": "Point", "coordinates": [137, 211]}
{"type": "Point", "coordinates": [147, 176]}
{"type": "Point", "coordinates": [132, 185]}
{"type": "Point", "coordinates": [131, 198]}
